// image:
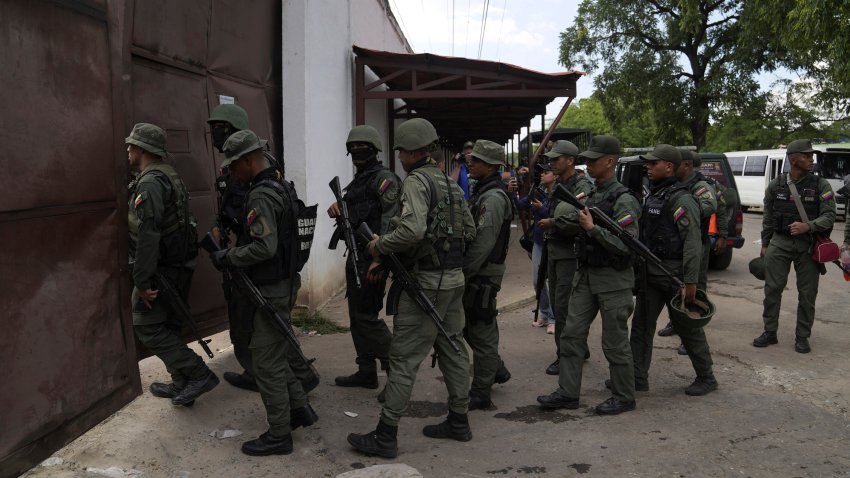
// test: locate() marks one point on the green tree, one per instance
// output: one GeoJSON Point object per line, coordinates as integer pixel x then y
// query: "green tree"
{"type": "Point", "coordinates": [586, 113]}
{"type": "Point", "coordinates": [679, 59]}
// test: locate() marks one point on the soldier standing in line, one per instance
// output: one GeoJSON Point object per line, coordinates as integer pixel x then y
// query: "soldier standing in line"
{"type": "Point", "coordinates": [604, 283]}
{"type": "Point", "coordinates": [707, 198]}
{"type": "Point", "coordinates": [372, 197]}
{"type": "Point", "coordinates": [263, 249]}
{"type": "Point", "coordinates": [786, 237]}
{"type": "Point", "coordinates": [669, 227]}
{"type": "Point", "coordinates": [430, 232]}
{"type": "Point", "coordinates": [225, 120]}
{"type": "Point", "coordinates": [561, 229]}
{"type": "Point", "coordinates": [484, 266]}
{"type": "Point", "coordinates": [163, 239]}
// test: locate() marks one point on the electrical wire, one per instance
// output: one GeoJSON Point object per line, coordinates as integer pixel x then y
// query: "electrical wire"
{"type": "Point", "coordinates": [403, 26]}
{"type": "Point", "coordinates": [483, 27]}
{"type": "Point", "coordinates": [501, 24]}
{"type": "Point", "coordinates": [468, 16]}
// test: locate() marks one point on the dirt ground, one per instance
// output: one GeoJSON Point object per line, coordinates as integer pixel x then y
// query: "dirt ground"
{"type": "Point", "coordinates": [777, 412]}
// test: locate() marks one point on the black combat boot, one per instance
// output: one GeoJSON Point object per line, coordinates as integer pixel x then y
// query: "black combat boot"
{"type": "Point", "coordinates": [455, 426]}
{"type": "Point", "coordinates": [555, 400]}
{"type": "Point", "coordinates": [701, 386]}
{"type": "Point", "coordinates": [381, 442]}
{"type": "Point", "coordinates": [195, 388]}
{"type": "Point", "coordinates": [801, 345]}
{"type": "Point", "coordinates": [667, 331]}
{"type": "Point", "coordinates": [682, 350]}
{"type": "Point", "coordinates": [166, 390]}
{"type": "Point", "coordinates": [554, 368]}
{"type": "Point", "coordinates": [241, 380]}
{"type": "Point", "coordinates": [359, 379]}
{"type": "Point", "coordinates": [613, 406]}
{"type": "Point", "coordinates": [302, 417]}
{"type": "Point", "coordinates": [479, 402]}
{"type": "Point", "coordinates": [502, 375]}
{"type": "Point", "coordinates": [268, 445]}
{"type": "Point", "coordinates": [311, 384]}
{"type": "Point", "coordinates": [765, 339]}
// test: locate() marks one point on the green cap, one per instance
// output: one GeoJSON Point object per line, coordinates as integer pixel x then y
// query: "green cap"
{"type": "Point", "coordinates": [230, 113]}
{"type": "Point", "coordinates": [664, 152]}
{"type": "Point", "coordinates": [757, 268]}
{"type": "Point", "coordinates": [415, 134]}
{"type": "Point", "coordinates": [239, 144]}
{"type": "Point", "coordinates": [601, 145]}
{"type": "Point", "coordinates": [364, 134]}
{"type": "Point", "coordinates": [696, 159]}
{"type": "Point", "coordinates": [801, 146]}
{"type": "Point", "coordinates": [469, 144]}
{"type": "Point", "coordinates": [149, 137]}
{"type": "Point", "coordinates": [562, 148]}
{"type": "Point", "coordinates": [489, 152]}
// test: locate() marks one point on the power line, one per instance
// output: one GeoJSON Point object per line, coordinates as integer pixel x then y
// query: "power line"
{"type": "Point", "coordinates": [403, 26]}
{"type": "Point", "coordinates": [468, 15]}
{"type": "Point", "coordinates": [483, 27]}
{"type": "Point", "coordinates": [501, 24]}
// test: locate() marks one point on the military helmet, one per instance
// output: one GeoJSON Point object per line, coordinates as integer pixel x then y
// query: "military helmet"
{"type": "Point", "coordinates": [757, 268]}
{"type": "Point", "coordinates": [149, 137]}
{"type": "Point", "coordinates": [489, 152]}
{"type": "Point", "coordinates": [364, 134]}
{"type": "Point", "coordinates": [692, 316]}
{"type": "Point", "coordinates": [230, 113]}
{"type": "Point", "coordinates": [415, 134]}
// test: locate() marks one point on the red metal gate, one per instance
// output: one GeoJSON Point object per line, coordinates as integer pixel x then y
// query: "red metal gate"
{"type": "Point", "coordinates": [75, 76]}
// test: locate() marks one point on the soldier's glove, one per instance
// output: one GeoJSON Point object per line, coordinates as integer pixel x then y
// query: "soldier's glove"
{"type": "Point", "coordinates": [217, 258]}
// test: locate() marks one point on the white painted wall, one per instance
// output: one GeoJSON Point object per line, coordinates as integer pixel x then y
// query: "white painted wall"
{"type": "Point", "coordinates": [318, 111]}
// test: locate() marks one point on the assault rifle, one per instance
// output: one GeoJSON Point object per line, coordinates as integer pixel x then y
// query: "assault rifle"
{"type": "Point", "coordinates": [411, 286]}
{"type": "Point", "coordinates": [245, 285]}
{"type": "Point", "coordinates": [344, 229]}
{"type": "Point", "coordinates": [179, 306]}
{"type": "Point", "coordinates": [601, 219]}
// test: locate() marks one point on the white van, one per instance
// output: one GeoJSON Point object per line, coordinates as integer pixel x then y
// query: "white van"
{"type": "Point", "coordinates": [832, 163]}
{"type": "Point", "coordinates": [752, 171]}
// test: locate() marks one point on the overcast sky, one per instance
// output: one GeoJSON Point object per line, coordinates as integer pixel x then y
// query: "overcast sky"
{"type": "Point", "coordinates": [518, 32]}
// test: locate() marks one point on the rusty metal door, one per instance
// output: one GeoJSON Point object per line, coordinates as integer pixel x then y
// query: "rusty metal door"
{"type": "Point", "coordinates": [75, 76]}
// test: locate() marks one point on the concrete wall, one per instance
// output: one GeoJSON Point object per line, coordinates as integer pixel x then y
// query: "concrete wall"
{"type": "Point", "coordinates": [318, 111]}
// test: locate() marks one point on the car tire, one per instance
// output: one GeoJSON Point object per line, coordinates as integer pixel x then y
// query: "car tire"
{"type": "Point", "coordinates": [720, 262]}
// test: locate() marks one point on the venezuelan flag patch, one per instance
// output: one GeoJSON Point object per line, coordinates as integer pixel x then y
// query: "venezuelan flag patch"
{"type": "Point", "coordinates": [385, 184]}
{"type": "Point", "coordinates": [625, 220]}
{"type": "Point", "coordinates": [580, 196]}
{"type": "Point", "coordinates": [826, 196]}
{"type": "Point", "coordinates": [139, 200]}
{"type": "Point", "coordinates": [679, 213]}
{"type": "Point", "coordinates": [252, 216]}
{"type": "Point", "coordinates": [701, 191]}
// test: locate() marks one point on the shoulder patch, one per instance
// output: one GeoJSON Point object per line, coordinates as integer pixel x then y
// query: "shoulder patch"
{"type": "Point", "coordinates": [140, 198]}
{"type": "Point", "coordinates": [625, 220]}
{"type": "Point", "coordinates": [384, 185]}
{"type": "Point", "coordinates": [701, 191]}
{"type": "Point", "coordinates": [251, 217]}
{"type": "Point", "coordinates": [678, 214]}
{"type": "Point", "coordinates": [581, 195]}
{"type": "Point", "coordinates": [826, 196]}
{"type": "Point", "coordinates": [481, 212]}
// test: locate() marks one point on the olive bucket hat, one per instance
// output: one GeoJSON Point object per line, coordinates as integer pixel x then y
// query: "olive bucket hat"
{"type": "Point", "coordinates": [239, 144]}
{"type": "Point", "coordinates": [489, 152]}
{"type": "Point", "coordinates": [692, 316]}
{"type": "Point", "coordinates": [149, 137]}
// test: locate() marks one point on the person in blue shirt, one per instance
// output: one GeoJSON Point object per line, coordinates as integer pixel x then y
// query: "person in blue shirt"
{"type": "Point", "coordinates": [460, 173]}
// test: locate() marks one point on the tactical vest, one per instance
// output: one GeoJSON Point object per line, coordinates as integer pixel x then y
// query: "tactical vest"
{"type": "Point", "coordinates": [364, 203]}
{"type": "Point", "coordinates": [178, 236]}
{"type": "Point", "coordinates": [571, 185]}
{"type": "Point", "coordinates": [500, 248]}
{"type": "Point", "coordinates": [444, 234]}
{"type": "Point", "coordinates": [657, 228]}
{"type": "Point", "coordinates": [231, 201]}
{"type": "Point", "coordinates": [785, 211]}
{"type": "Point", "coordinates": [295, 229]}
{"type": "Point", "coordinates": [704, 222]}
{"type": "Point", "coordinates": [588, 250]}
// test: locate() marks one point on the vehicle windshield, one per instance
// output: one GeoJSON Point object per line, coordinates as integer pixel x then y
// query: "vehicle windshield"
{"type": "Point", "coordinates": [834, 164]}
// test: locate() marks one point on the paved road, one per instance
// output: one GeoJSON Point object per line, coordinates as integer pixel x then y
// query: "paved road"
{"type": "Point", "coordinates": [777, 413]}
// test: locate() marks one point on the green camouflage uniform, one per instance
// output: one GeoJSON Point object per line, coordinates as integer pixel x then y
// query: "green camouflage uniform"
{"type": "Point", "coordinates": [783, 249]}
{"type": "Point", "coordinates": [155, 195]}
{"type": "Point", "coordinates": [606, 289]}
{"type": "Point", "coordinates": [483, 269]}
{"type": "Point", "coordinates": [706, 197]}
{"type": "Point", "coordinates": [658, 289]}
{"type": "Point", "coordinates": [414, 333]}
{"type": "Point", "coordinates": [279, 387]}
{"type": "Point", "coordinates": [560, 238]}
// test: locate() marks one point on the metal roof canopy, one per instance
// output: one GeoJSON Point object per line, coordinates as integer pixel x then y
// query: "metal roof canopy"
{"type": "Point", "coordinates": [579, 136]}
{"type": "Point", "coordinates": [465, 99]}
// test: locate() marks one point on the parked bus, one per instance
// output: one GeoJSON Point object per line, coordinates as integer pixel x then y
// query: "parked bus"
{"type": "Point", "coordinates": [752, 171]}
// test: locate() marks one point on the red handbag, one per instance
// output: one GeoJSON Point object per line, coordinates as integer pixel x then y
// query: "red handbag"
{"type": "Point", "coordinates": [824, 250]}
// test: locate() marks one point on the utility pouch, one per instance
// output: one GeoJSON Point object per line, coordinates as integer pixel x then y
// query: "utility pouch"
{"type": "Point", "coordinates": [479, 301]}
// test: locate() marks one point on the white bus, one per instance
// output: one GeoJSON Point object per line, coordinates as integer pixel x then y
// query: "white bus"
{"type": "Point", "coordinates": [752, 171]}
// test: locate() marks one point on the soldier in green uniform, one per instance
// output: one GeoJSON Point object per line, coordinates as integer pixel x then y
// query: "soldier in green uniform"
{"type": "Point", "coordinates": [262, 249]}
{"type": "Point", "coordinates": [707, 199]}
{"type": "Point", "coordinates": [225, 120]}
{"type": "Point", "coordinates": [561, 229]}
{"type": "Point", "coordinates": [787, 238]}
{"type": "Point", "coordinates": [669, 227]}
{"type": "Point", "coordinates": [163, 239]}
{"type": "Point", "coordinates": [484, 265]}
{"type": "Point", "coordinates": [603, 283]}
{"type": "Point", "coordinates": [372, 197]}
{"type": "Point", "coordinates": [428, 234]}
